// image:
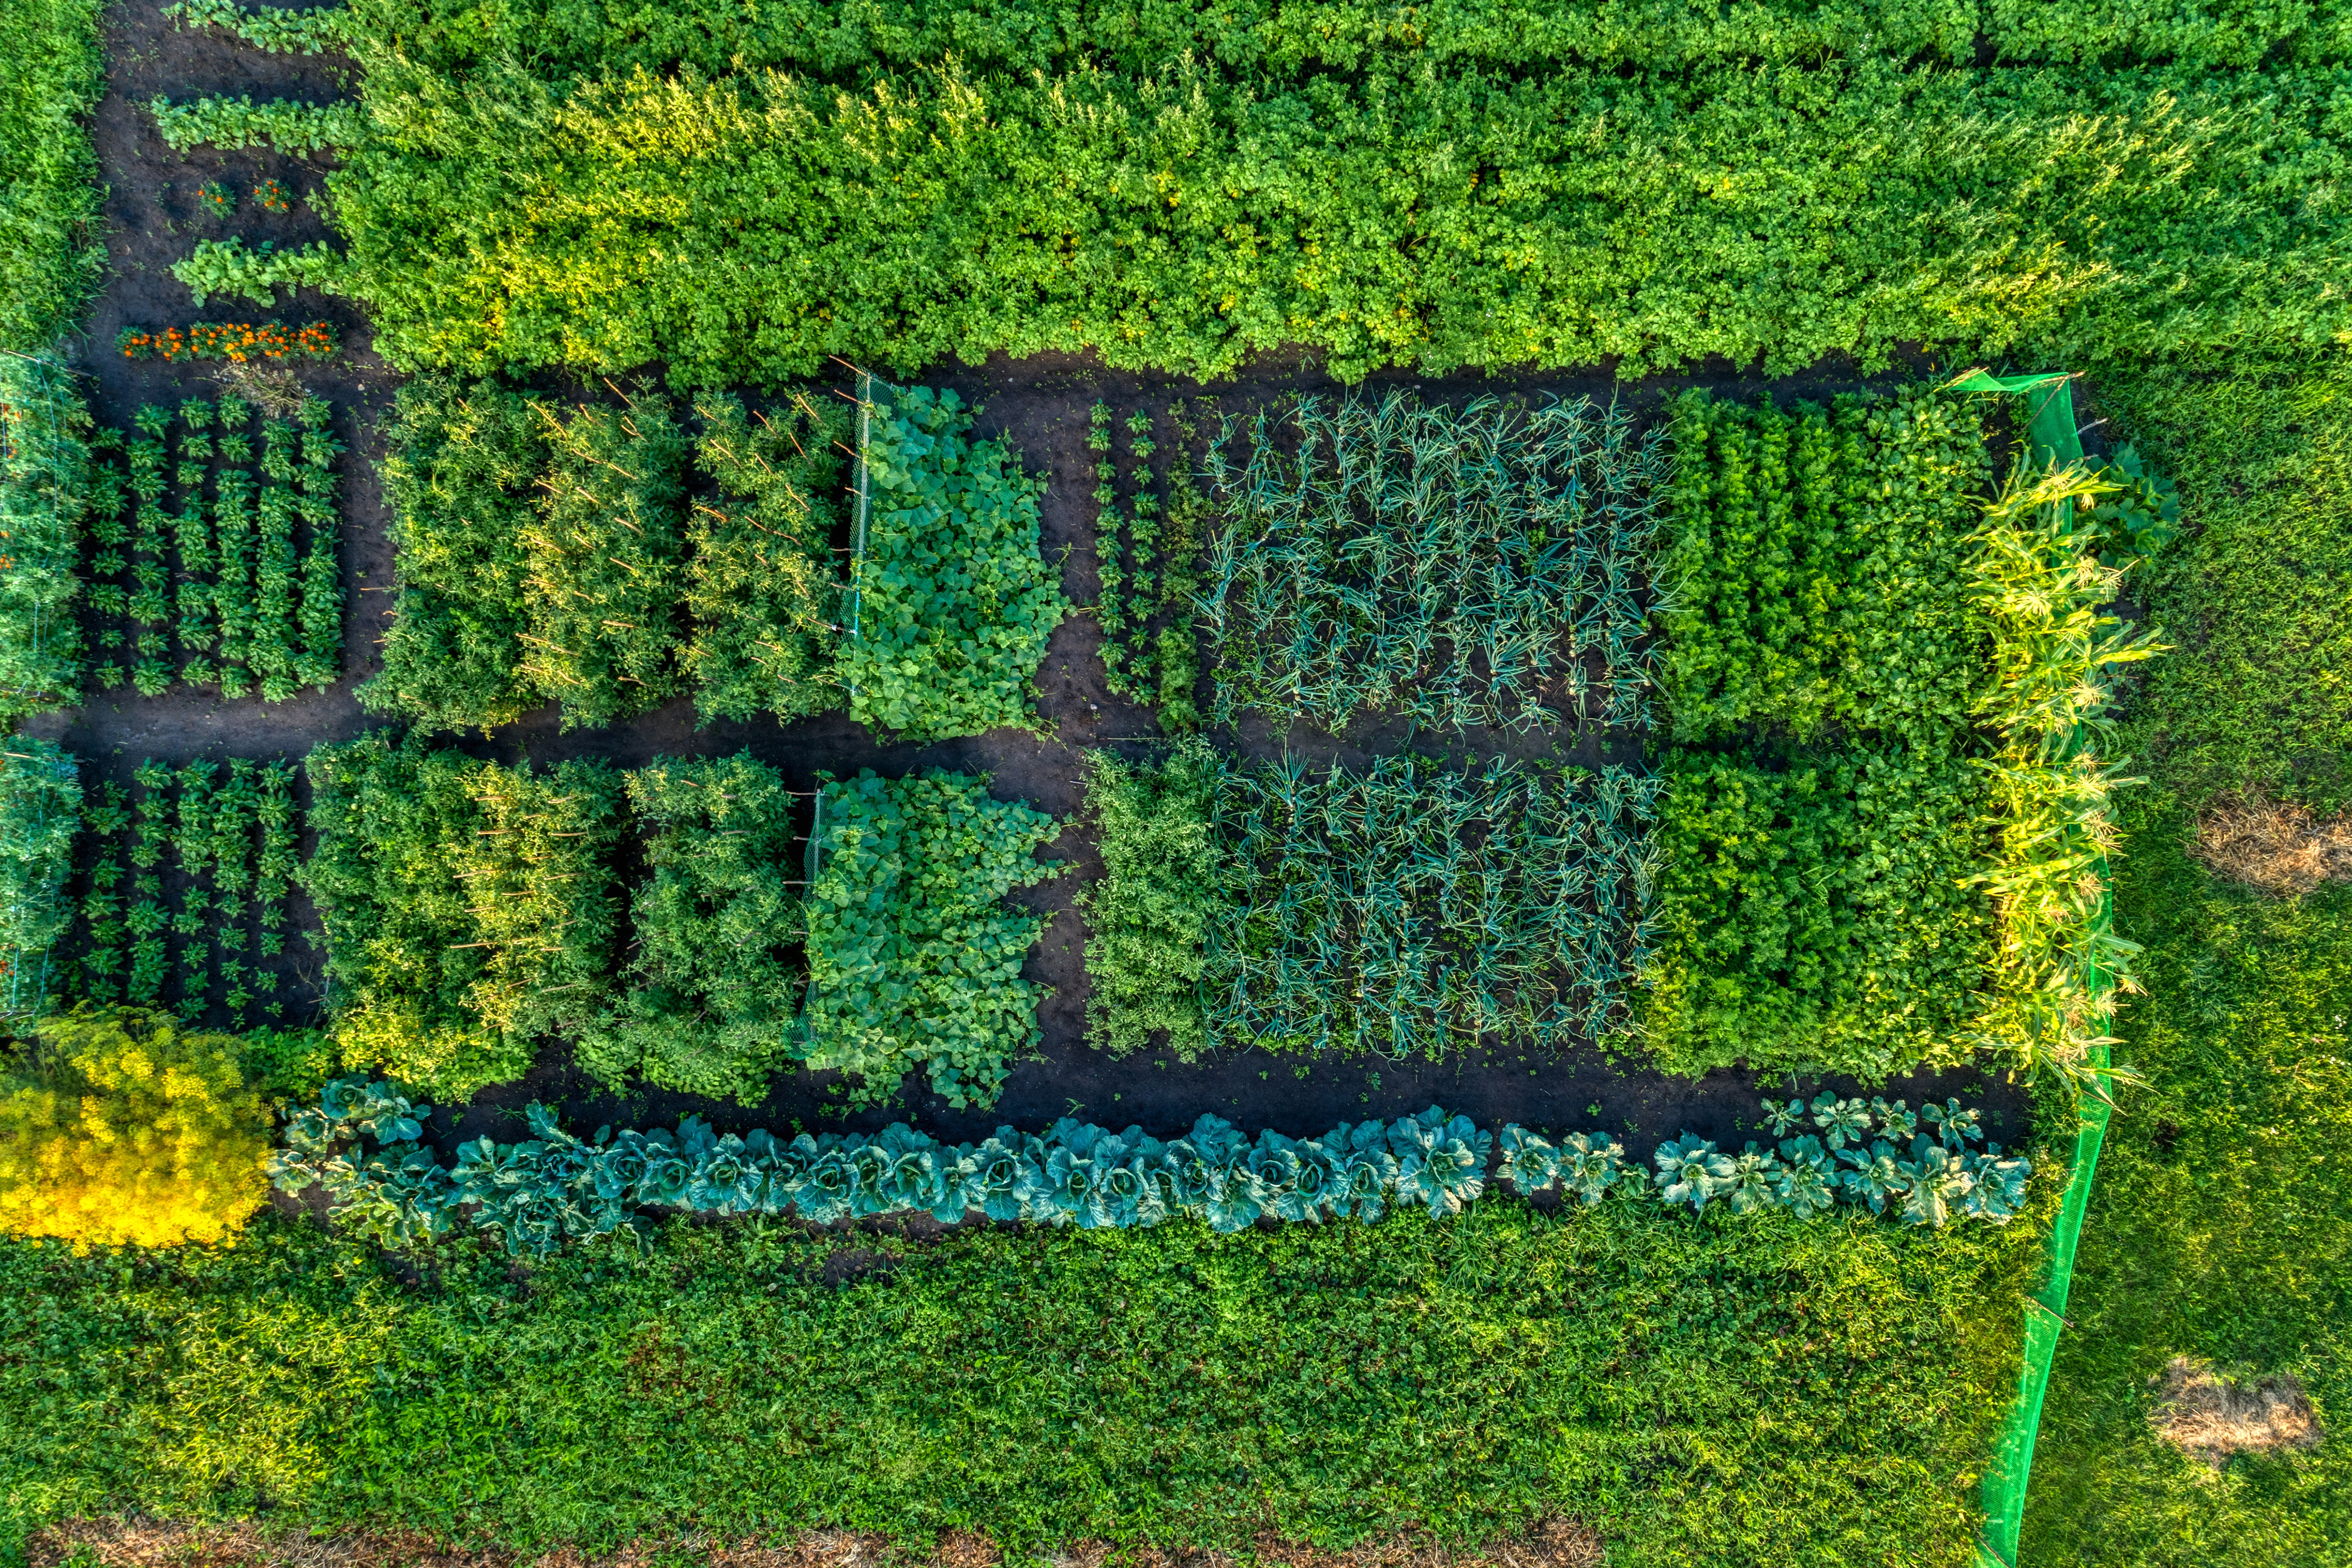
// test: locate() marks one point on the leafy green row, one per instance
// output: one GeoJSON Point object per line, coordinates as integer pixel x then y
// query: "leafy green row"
{"type": "Point", "coordinates": [1473, 567]}
{"type": "Point", "coordinates": [554, 1187]}
{"type": "Point", "coordinates": [46, 485]}
{"type": "Point", "coordinates": [913, 960]}
{"type": "Point", "coordinates": [809, 196]}
{"type": "Point", "coordinates": [1813, 912]}
{"type": "Point", "coordinates": [256, 272]}
{"type": "Point", "coordinates": [52, 73]}
{"type": "Point", "coordinates": [1814, 571]}
{"type": "Point", "coordinates": [285, 124]}
{"type": "Point", "coordinates": [951, 602]}
{"type": "Point", "coordinates": [1404, 906]}
{"type": "Point", "coordinates": [279, 30]}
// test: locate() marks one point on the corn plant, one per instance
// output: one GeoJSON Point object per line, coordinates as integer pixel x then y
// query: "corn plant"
{"type": "Point", "coordinates": [2036, 577]}
{"type": "Point", "coordinates": [233, 124]}
{"type": "Point", "coordinates": [1479, 567]}
{"type": "Point", "coordinates": [602, 562]}
{"type": "Point", "coordinates": [913, 960]}
{"type": "Point", "coordinates": [711, 991]}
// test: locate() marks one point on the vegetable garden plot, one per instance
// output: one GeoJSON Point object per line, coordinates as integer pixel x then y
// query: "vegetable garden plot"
{"type": "Point", "coordinates": [1405, 907]}
{"type": "Point", "coordinates": [1486, 566]}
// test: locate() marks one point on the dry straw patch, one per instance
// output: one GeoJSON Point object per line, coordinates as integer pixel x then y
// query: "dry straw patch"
{"type": "Point", "coordinates": [2271, 846]}
{"type": "Point", "coordinates": [159, 1543]}
{"type": "Point", "coordinates": [2210, 1419]}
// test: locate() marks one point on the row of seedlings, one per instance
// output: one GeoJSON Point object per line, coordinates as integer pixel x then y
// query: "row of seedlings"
{"type": "Point", "coordinates": [213, 558]}
{"type": "Point", "coordinates": [229, 831]}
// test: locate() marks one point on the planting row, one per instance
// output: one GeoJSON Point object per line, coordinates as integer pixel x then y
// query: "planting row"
{"type": "Point", "coordinates": [200, 549]}
{"type": "Point", "coordinates": [554, 1187]}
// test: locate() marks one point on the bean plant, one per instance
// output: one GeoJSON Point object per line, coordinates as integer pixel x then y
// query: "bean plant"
{"type": "Point", "coordinates": [1475, 566]}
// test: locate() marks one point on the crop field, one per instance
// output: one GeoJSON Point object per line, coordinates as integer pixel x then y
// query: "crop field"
{"type": "Point", "coordinates": [954, 782]}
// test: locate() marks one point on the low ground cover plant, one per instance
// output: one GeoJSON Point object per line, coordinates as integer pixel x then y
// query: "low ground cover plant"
{"type": "Point", "coordinates": [1402, 907]}
{"type": "Point", "coordinates": [284, 124]}
{"type": "Point", "coordinates": [1484, 566]}
{"type": "Point", "coordinates": [914, 960]}
{"type": "Point", "coordinates": [118, 1128]}
{"type": "Point", "coordinates": [278, 29]}
{"type": "Point", "coordinates": [556, 1187]}
{"type": "Point", "coordinates": [256, 272]}
{"type": "Point", "coordinates": [1814, 568]}
{"type": "Point", "coordinates": [1346, 1382]}
{"type": "Point", "coordinates": [951, 603]}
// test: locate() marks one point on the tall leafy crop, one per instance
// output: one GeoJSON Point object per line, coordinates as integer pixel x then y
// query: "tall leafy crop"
{"type": "Point", "coordinates": [320, 662]}
{"type": "Point", "coordinates": [1473, 567]}
{"type": "Point", "coordinates": [467, 908]}
{"type": "Point", "coordinates": [40, 811]}
{"type": "Point", "coordinates": [711, 993]}
{"type": "Point", "coordinates": [601, 562]}
{"type": "Point", "coordinates": [52, 72]}
{"type": "Point", "coordinates": [459, 475]}
{"type": "Point", "coordinates": [951, 604]}
{"type": "Point", "coordinates": [761, 580]}
{"type": "Point", "coordinates": [284, 124]}
{"type": "Point", "coordinates": [913, 960]}
{"type": "Point", "coordinates": [1150, 919]}
{"type": "Point", "coordinates": [1813, 915]}
{"type": "Point", "coordinates": [1815, 567]}
{"type": "Point", "coordinates": [2037, 578]}
{"type": "Point", "coordinates": [47, 496]}
{"type": "Point", "coordinates": [1493, 185]}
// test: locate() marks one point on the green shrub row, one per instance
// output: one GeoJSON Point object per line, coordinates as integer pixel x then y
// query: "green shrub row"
{"type": "Point", "coordinates": [567, 555]}
{"type": "Point", "coordinates": [1002, 180]}
{"type": "Point", "coordinates": [52, 72]}
{"type": "Point", "coordinates": [40, 813]}
{"type": "Point", "coordinates": [471, 911]}
{"type": "Point", "coordinates": [1815, 573]}
{"type": "Point", "coordinates": [45, 498]}
{"type": "Point", "coordinates": [284, 124]}
{"type": "Point", "coordinates": [279, 30]}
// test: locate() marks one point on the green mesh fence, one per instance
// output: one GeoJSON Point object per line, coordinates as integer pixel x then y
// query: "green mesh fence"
{"type": "Point", "coordinates": [2054, 437]}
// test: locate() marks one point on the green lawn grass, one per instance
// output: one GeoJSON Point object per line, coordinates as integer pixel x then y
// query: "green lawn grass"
{"type": "Point", "coordinates": [1715, 1389]}
{"type": "Point", "coordinates": [2222, 1224]}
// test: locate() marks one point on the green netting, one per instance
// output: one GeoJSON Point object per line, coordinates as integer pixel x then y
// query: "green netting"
{"type": "Point", "coordinates": [2053, 437]}
{"type": "Point", "coordinates": [40, 811]}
